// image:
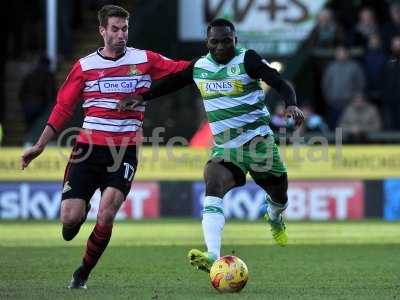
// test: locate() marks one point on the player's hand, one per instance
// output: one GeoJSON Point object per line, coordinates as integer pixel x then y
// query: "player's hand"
{"type": "Point", "coordinates": [130, 102]}
{"type": "Point", "coordinates": [296, 114]}
{"type": "Point", "coordinates": [30, 154]}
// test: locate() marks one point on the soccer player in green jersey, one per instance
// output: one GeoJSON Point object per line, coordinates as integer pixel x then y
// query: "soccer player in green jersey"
{"type": "Point", "coordinates": [228, 80]}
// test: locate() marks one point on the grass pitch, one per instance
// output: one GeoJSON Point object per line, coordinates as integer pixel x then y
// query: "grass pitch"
{"type": "Point", "coordinates": [147, 260]}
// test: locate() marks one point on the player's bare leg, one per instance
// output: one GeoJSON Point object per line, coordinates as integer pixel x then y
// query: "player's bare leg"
{"type": "Point", "coordinates": [276, 201]}
{"type": "Point", "coordinates": [219, 180]}
{"type": "Point", "coordinates": [110, 203]}
{"type": "Point", "coordinates": [73, 214]}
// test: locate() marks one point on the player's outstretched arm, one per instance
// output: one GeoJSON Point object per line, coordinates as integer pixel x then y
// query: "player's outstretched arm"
{"type": "Point", "coordinates": [162, 87]}
{"type": "Point", "coordinates": [258, 68]}
{"type": "Point", "coordinates": [68, 97]}
{"type": "Point", "coordinates": [32, 152]}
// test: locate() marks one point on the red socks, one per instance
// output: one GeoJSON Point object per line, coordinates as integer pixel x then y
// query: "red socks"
{"type": "Point", "coordinates": [96, 245]}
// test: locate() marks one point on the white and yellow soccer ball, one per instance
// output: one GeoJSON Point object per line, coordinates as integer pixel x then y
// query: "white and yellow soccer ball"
{"type": "Point", "coordinates": [229, 274]}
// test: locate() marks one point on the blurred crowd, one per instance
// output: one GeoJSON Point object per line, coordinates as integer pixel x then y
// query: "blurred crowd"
{"type": "Point", "coordinates": [357, 73]}
{"type": "Point", "coordinates": [355, 65]}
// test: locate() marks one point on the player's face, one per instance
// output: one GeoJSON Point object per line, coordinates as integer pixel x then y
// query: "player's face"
{"type": "Point", "coordinates": [221, 42]}
{"type": "Point", "coordinates": [115, 35]}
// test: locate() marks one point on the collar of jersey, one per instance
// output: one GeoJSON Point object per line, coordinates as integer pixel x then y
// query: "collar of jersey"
{"type": "Point", "coordinates": [110, 58]}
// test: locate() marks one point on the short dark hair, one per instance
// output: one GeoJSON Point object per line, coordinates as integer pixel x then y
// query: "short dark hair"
{"type": "Point", "coordinates": [220, 23]}
{"type": "Point", "coordinates": [108, 11]}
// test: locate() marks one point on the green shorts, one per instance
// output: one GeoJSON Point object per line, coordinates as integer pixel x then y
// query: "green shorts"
{"type": "Point", "coordinates": [260, 157]}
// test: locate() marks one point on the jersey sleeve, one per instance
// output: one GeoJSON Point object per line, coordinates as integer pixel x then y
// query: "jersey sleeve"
{"type": "Point", "coordinates": [69, 94]}
{"type": "Point", "coordinates": [258, 68]}
{"type": "Point", "coordinates": [171, 83]}
{"type": "Point", "coordinates": [161, 66]}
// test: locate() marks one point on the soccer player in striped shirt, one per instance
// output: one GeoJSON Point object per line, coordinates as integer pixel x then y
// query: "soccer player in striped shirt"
{"type": "Point", "coordinates": [228, 80]}
{"type": "Point", "coordinates": [104, 155]}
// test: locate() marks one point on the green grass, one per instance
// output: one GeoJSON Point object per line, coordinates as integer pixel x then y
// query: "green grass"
{"type": "Point", "coordinates": [147, 260]}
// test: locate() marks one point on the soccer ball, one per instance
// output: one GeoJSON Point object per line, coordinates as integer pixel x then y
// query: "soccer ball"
{"type": "Point", "coordinates": [229, 274]}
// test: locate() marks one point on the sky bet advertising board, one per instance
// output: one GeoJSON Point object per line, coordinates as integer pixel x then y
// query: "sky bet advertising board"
{"type": "Point", "coordinates": [42, 201]}
{"type": "Point", "coordinates": [308, 200]}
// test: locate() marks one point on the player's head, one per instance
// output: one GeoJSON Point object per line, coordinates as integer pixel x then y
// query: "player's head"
{"type": "Point", "coordinates": [113, 27]}
{"type": "Point", "coordinates": [221, 40]}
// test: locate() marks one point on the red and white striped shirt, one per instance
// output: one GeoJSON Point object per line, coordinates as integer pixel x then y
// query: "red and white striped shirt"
{"type": "Point", "coordinates": [101, 82]}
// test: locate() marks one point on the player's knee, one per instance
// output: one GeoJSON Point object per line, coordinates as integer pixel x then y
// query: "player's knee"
{"type": "Point", "coordinates": [68, 218]}
{"type": "Point", "coordinates": [215, 188]}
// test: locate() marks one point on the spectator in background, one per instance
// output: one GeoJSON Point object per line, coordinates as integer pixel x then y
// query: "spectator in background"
{"type": "Point", "coordinates": [38, 89]}
{"type": "Point", "coordinates": [390, 84]}
{"type": "Point", "coordinates": [392, 27]}
{"type": "Point", "coordinates": [328, 33]}
{"type": "Point", "coordinates": [365, 28]}
{"type": "Point", "coordinates": [326, 36]}
{"type": "Point", "coordinates": [374, 59]}
{"type": "Point", "coordinates": [313, 123]}
{"type": "Point", "coordinates": [342, 79]}
{"type": "Point", "coordinates": [359, 118]}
